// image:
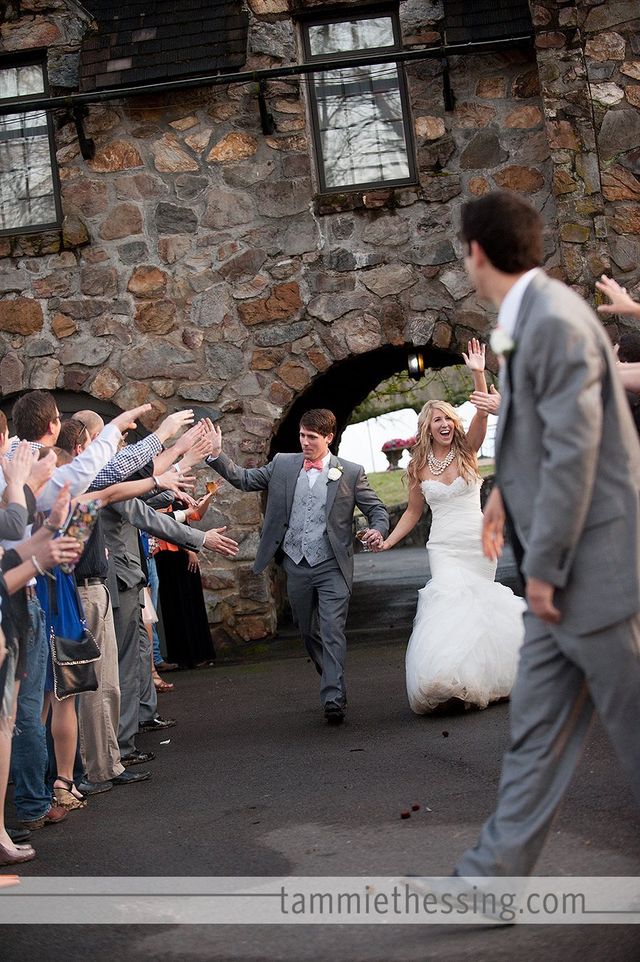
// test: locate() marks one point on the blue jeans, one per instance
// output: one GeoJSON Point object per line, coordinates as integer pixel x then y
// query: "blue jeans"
{"type": "Point", "coordinates": [154, 585]}
{"type": "Point", "coordinates": [29, 757]}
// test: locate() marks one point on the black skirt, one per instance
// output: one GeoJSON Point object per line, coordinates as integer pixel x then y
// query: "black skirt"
{"type": "Point", "coordinates": [184, 616]}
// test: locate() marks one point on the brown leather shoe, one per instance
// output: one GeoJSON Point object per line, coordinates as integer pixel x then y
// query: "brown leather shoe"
{"type": "Point", "coordinates": [55, 814]}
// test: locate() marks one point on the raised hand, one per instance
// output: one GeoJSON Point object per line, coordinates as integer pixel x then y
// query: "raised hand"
{"type": "Point", "coordinates": [127, 421]}
{"type": "Point", "coordinates": [60, 509]}
{"type": "Point", "coordinates": [17, 470]}
{"type": "Point", "coordinates": [42, 471]}
{"type": "Point", "coordinates": [188, 439]}
{"type": "Point", "coordinates": [620, 301]}
{"type": "Point", "coordinates": [197, 452]}
{"type": "Point", "coordinates": [174, 423]}
{"type": "Point", "coordinates": [177, 483]}
{"type": "Point", "coordinates": [493, 526]}
{"type": "Point", "coordinates": [475, 356]}
{"type": "Point", "coordinates": [486, 403]}
{"type": "Point", "coordinates": [214, 540]}
{"type": "Point", "coordinates": [213, 436]}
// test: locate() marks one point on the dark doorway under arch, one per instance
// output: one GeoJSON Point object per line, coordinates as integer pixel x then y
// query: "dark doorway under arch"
{"type": "Point", "coordinates": [347, 383]}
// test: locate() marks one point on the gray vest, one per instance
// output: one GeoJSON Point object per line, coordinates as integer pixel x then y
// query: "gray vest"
{"type": "Point", "coordinates": [307, 532]}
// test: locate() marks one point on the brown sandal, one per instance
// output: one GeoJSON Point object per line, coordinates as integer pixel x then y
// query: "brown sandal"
{"type": "Point", "coordinates": [161, 684]}
{"type": "Point", "coordinates": [65, 798]}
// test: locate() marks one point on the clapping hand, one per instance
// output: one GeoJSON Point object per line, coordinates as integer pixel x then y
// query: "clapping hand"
{"type": "Point", "coordinates": [42, 471]}
{"type": "Point", "coordinates": [17, 470]}
{"type": "Point", "coordinates": [475, 356]}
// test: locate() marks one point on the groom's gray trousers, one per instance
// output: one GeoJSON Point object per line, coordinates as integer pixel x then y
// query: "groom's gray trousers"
{"type": "Point", "coordinates": [562, 678]}
{"type": "Point", "coordinates": [319, 597]}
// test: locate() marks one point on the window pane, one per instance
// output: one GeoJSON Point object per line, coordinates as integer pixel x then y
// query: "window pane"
{"type": "Point", "coordinates": [26, 183]}
{"type": "Point", "coordinates": [328, 38]}
{"type": "Point", "coordinates": [21, 81]}
{"type": "Point", "coordinates": [361, 126]}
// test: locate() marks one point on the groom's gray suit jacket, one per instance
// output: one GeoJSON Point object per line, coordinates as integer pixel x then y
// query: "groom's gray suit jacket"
{"type": "Point", "coordinates": [279, 478]}
{"type": "Point", "coordinates": [568, 460]}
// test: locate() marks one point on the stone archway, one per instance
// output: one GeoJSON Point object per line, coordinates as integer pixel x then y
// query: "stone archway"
{"type": "Point", "coordinates": [347, 383]}
{"type": "Point", "coordinates": [245, 607]}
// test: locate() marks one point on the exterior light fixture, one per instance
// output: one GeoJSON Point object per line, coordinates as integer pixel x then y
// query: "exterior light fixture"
{"type": "Point", "coordinates": [415, 365]}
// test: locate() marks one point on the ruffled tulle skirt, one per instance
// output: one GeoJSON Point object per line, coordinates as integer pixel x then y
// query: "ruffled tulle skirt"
{"type": "Point", "coordinates": [466, 637]}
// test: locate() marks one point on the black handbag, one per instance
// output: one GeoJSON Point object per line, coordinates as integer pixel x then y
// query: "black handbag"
{"type": "Point", "coordinates": [74, 669]}
{"type": "Point", "coordinates": [73, 659]}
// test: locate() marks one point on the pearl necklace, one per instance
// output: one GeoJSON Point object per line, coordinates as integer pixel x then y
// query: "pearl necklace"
{"type": "Point", "coordinates": [436, 466]}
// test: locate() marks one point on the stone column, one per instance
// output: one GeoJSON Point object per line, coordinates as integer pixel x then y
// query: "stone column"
{"type": "Point", "coordinates": [569, 119]}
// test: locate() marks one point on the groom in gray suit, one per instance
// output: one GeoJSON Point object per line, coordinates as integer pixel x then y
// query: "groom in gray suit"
{"type": "Point", "coordinates": [308, 528]}
{"type": "Point", "coordinates": [568, 477]}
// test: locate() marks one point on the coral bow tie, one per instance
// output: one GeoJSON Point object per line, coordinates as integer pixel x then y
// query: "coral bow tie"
{"type": "Point", "coordinates": [313, 464]}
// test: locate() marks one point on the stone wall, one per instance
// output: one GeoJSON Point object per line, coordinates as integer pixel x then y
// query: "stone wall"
{"type": "Point", "coordinates": [199, 267]}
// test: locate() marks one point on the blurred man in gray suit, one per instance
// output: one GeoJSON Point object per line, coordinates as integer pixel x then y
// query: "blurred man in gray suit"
{"type": "Point", "coordinates": [568, 478]}
{"type": "Point", "coordinates": [308, 528]}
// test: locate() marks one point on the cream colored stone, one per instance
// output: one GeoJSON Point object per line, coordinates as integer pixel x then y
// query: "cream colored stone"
{"type": "Point", "coordinates": [169, 156]}
{"type": "Point", "coordinates": [198, 142]}
{"type": "Point", "coordinates": [430, 128]}
{"type": "Point", "coordinates": [235, 146]}
{"type": "Point", "coordinates": [185, 123]}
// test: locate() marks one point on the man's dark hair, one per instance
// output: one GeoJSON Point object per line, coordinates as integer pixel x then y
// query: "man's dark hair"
{"type": "Point", "coordinates": [32, 413]}
{"type": "Point", "coordinates": [507, 228]}
{"type": "Point", "coordinates": [320, 420]}
{"type": "Point", "coordinates": [629, 347]}
{"type": "Point", "coordinates": [72, 433]}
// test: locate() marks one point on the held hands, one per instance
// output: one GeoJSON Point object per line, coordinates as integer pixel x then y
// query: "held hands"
{"type": "Point", "coordinates": [540, 600]}
{"type": "Point", "coordinates": [493, 526]}
{"type": "Point", "coordinates": [475, 356]}
{"type": "Point", "coordinates": [214, 540]}
{"type": "Point", "coordinates": [486, 403]}
{"type": "Point", "coordinates": [373, 539]}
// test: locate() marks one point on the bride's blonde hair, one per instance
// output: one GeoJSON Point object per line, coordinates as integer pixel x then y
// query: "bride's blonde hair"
{"type": "Point", "coordinates": [465, 458]}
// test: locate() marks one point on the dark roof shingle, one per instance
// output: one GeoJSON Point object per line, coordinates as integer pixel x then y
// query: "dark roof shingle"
{"type": "Point", "coordinates": [161, 39]}
{"type": "Point", "coordinates": [485, 20]}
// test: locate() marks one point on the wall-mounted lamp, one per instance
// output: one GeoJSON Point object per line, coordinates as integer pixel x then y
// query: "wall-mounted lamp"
{"type": "Point", "coordinates": [415, 364]}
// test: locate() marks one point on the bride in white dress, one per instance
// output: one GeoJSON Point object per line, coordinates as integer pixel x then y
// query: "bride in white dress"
{"type": "Point", "coordinates": [468, 629]}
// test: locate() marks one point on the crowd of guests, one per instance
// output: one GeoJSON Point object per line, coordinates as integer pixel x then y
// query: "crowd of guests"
{"type": "Point", "coordinates": [60, 745]}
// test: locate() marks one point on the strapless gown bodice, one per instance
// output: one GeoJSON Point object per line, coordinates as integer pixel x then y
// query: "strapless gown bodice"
{"type": "Point", "coordinates": [468, 629]}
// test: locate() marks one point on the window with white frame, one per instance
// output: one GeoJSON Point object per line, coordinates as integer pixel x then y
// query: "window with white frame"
{"type": "Point", "coordinates": [28, 181]}
{"type": "Point", "coordinates": [360, 115]}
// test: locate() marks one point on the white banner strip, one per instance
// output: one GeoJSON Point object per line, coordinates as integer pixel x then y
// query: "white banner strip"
{"type": "Point", "coordinates": [307, 900]}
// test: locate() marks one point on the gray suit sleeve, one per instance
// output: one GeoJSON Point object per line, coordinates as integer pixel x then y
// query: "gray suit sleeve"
{"type": "Point", "coordinates": [13, 521]}
{"type": "Point", "coordinates": [245, 479]}
{"type": "Point", "coordinates": [141, 516]}
{"type": "Point", "coordinates": [371, 505]}
{"type": "Point", "coordinates": [567, 375]}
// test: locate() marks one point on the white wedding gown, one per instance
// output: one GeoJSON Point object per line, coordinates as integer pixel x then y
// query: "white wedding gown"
{"type": "Point", "coordinates": [468, 628]}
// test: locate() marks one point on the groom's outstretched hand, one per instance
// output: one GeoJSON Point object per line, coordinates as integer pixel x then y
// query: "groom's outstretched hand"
{"type": "Point", "coordinates": [540, 600]}
{"type": "Point", "coordinates": [493, 526]}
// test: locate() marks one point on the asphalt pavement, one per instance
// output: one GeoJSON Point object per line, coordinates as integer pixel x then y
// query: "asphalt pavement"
{"type": "Point", "coordinates": [253, 782]}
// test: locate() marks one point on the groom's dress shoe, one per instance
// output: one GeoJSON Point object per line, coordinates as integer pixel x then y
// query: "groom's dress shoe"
{"type": "Point", "coordinates": [334, 713]}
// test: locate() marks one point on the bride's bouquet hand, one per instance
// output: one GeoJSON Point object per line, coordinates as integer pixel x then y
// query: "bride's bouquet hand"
{"type": "Point", "coordinates": [475, 356]}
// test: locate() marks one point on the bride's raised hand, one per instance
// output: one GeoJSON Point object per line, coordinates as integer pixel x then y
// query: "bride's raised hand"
{"type": "Point", "coordinates": [475, 356]}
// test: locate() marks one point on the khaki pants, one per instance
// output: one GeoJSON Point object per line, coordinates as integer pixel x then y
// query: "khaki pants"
{"type": "Point", "coordinates": [99, 711]}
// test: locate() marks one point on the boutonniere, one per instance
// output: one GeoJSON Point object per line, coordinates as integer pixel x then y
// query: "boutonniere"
{"type": "Point", "coordinates": [501, 343]}
{"type": "Point", "coordinates": [335, 473]}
